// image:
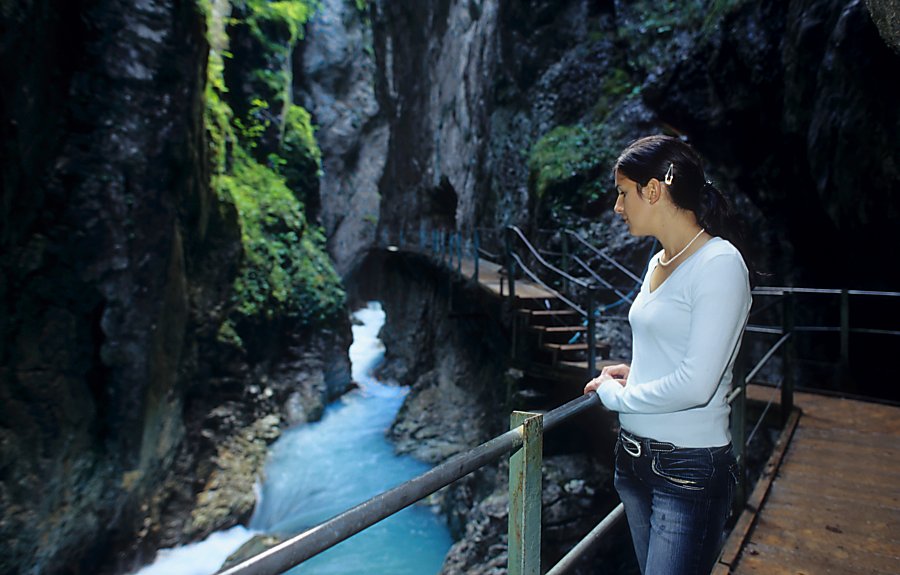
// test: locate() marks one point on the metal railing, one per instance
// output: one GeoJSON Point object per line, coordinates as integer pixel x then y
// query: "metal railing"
{"type": "Point", "coordinates": [582, 294]}
{"type": "Point", "coordinates": [524, 527]}
{"type": "Point", "coordinates": [524, 439]}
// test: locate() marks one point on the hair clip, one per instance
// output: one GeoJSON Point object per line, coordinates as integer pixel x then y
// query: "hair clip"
{"type": "Point", "coordinates": [669, 174]}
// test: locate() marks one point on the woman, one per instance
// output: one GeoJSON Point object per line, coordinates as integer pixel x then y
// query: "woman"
{"type": "Point", "coordinates": [675, 468]}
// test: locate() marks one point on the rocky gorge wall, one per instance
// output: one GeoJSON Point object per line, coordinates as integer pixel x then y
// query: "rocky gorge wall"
{"type": "Point", "coordinates": [479, 114]}
{"type": "Point", "coordinates": [139, 387]}
{"type": "Point", "coordinates": [462, 114]}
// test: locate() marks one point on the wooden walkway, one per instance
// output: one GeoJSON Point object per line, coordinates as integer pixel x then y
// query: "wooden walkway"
{"type": "Point", "coordinates": [829, 501]}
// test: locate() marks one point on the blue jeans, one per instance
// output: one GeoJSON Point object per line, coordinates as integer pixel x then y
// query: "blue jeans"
{"type": "Point", "coordinates": [676, 500]}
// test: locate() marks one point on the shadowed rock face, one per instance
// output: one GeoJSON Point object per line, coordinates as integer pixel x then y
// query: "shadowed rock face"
{"type": "Point", "coordinates": [116, 266]}
{"type": "Point", "coordinates": [886, 15]}
{"type": "Point", "coordinates": [789, 100]}
{"type": "Point", "coordinates": [103, 205]}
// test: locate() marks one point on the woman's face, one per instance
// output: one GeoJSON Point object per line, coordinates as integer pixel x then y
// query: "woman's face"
{"type": "Point", "coordinates": [631, 205]}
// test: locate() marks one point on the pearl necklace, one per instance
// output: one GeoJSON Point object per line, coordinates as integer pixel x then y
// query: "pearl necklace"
{"type": "Point", "coordinates": [676, 256]}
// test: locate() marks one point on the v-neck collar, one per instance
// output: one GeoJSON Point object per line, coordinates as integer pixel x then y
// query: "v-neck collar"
{"type": "Point", "coordinates": [655, 262]}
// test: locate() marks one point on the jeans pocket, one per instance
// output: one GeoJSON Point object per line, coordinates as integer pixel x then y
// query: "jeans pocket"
{"type": "Point", "coordinates": [689, 469]}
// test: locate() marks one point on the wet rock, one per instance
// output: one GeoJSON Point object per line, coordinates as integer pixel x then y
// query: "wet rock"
{"type": "Point", "coordinates": [574, 492]}
{"type": "Point", "coordinates": [255, 546]}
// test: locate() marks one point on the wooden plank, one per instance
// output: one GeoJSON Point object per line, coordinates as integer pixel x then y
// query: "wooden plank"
{"type": "Point", "coordinates": [574, 346]}
{"type": "Point", "coordinates": [559, 328]}
{"type": "Point", "coordinates": [813, 528]}
{"type": "Point", "coordinates": [834, 506]}
{"type": "Point", "coordinates": [742, 529]}
{"type": "Point", "coordinates": [548, 312]}
{"type": "Point", "coordinates": [814, 475]}
{"type": "Point", "coordinates": [791, 490]}
{"type": "Point", "coordinates": [768, 560]}
{"type": "Point", "coordinates": [885, 441]}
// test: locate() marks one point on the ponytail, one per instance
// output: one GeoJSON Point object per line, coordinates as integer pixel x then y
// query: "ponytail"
{"type": "Point", "coordinates": [678, 164]}
{"type": "Point", "coordinates": [714, 213]}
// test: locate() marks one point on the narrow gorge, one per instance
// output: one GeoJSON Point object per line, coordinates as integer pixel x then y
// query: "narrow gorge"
{"type": "Point", "coordinates": [192, 191]}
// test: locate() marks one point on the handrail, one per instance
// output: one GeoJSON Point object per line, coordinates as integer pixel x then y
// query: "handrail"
{"type": "Point", "coordinates": [591, 539]}
{"type": "Point", "coordinates": [609, 259]}
{"type": "Point", "coordinates": [534, 277]}
{"type": "Point", "coordinates": [597, 277]}
{"type": "Point", "coordinates": [548, 265]}
{"type": "Point", "coordinates": [299, 548]}
{"type": "Point", "coordinates": [774, 290]}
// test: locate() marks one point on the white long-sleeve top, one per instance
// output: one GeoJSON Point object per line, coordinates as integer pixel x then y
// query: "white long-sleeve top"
{"type": "Point", "coordinates": [686, 334]}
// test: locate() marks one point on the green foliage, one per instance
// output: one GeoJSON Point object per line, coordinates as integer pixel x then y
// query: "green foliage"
{"type": "Point", "coordinates": [293, 14]}
{"type": "Point", "coordinates": [617, 85]}
{"type": "Point", "coordinates": [286, 271]}
{"type": "Point", "coordinates": [569, 167]}
{"type": "Point", "coordinates": [560, 155]}
{"type": "Point", "coordinates": [302, 160]}
{"type": "Point", "coordinates": [299, 136]}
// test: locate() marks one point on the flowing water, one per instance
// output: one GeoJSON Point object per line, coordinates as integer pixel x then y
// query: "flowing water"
{"type": "Point", "coordinates": [315, 471]}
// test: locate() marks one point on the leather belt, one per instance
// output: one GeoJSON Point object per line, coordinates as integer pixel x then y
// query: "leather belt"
{"type": "Point", "coordinates": [635, 445]}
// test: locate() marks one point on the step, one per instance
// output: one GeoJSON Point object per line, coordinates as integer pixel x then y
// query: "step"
{"type": "Point", "coordinates": [546, 312]}
{"type": "Point", "coordinates": [550, 316]}
{"type": "Point", "coordinates": [556, 333]}
{"type": "Point", "coordinates": [599, 364]}
{"type": "Point", "coordinates": [566, 349]}
{"type": "Point", "coordinates": [558, 328]}
{"type": "Point", "coordinates": [557, 347]}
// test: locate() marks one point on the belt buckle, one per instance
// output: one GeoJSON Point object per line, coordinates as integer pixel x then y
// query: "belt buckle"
{"type": "Point", "coordinates": [632, 444]}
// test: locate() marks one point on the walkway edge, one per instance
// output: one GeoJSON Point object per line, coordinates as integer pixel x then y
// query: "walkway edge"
{"type": "Point", "coordinates": [745, 523]}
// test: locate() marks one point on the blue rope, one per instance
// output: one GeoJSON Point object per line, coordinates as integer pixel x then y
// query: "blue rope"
{"type": "Point", "coordinates": [601, 310]}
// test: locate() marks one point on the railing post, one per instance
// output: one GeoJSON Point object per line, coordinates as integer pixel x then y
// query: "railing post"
{"type": "Point", "coordinates": [591, 334]}
{"type": "Point", "coordinates": [565, 260]}
{"type": "Point", "coordinates": [739, 429]}
{"type": "Point", "coordinates": [788, 358]}
{"type": "Point", "coordinates": [510, 269]}
{"type": "Point", "coordinates": [844, 369]}
{"type": "Point", "coordinates": [475, 253]}
{"type": "Point", "coordinates": [525, 496]}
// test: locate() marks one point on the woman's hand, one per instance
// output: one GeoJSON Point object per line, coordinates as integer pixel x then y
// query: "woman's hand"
{"type": "Point", "coordinates": [617, 373]}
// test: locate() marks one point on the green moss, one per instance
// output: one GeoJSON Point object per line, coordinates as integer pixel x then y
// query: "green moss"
{"type": "Point", "coordinates": [285, 271]}
{"type": "Point", "coordinates": [617, 85]}
{"type": "Point", "coordinates": [300, 159]}
{"type": "Point", "coordinates": [292, 14]}
{"type": "Point", "coordinates": [564, 153]}
{"type": "Point", "coordinates": [569, 168]}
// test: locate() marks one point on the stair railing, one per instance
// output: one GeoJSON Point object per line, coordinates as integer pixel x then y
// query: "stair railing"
{"type": "Point", "coordinates": [590, 307]}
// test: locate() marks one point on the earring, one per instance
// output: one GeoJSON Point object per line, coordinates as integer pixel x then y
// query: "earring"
{"type": "Point", "coordinates": [669, 174]}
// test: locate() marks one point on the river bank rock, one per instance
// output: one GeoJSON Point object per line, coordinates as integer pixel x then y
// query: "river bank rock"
{"type": "Point", "coordinates": [575, 490]}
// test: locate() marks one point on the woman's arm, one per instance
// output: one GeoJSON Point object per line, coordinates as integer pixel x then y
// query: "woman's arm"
{"type": "Point", "coordinates": [721, 302]}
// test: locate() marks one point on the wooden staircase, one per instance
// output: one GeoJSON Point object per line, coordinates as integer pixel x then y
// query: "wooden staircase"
{"type": "Point", "coordinates": [551, 337]}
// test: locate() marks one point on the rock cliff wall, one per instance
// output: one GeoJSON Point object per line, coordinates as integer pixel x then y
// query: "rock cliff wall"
{"type": "Point", "coordinates": [133, 414]}
{"type": "Point", "coordinates": [496, 112]}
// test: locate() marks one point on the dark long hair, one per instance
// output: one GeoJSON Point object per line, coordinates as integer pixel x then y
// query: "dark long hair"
{"type": "Point", "coordinates": [655, 156]}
